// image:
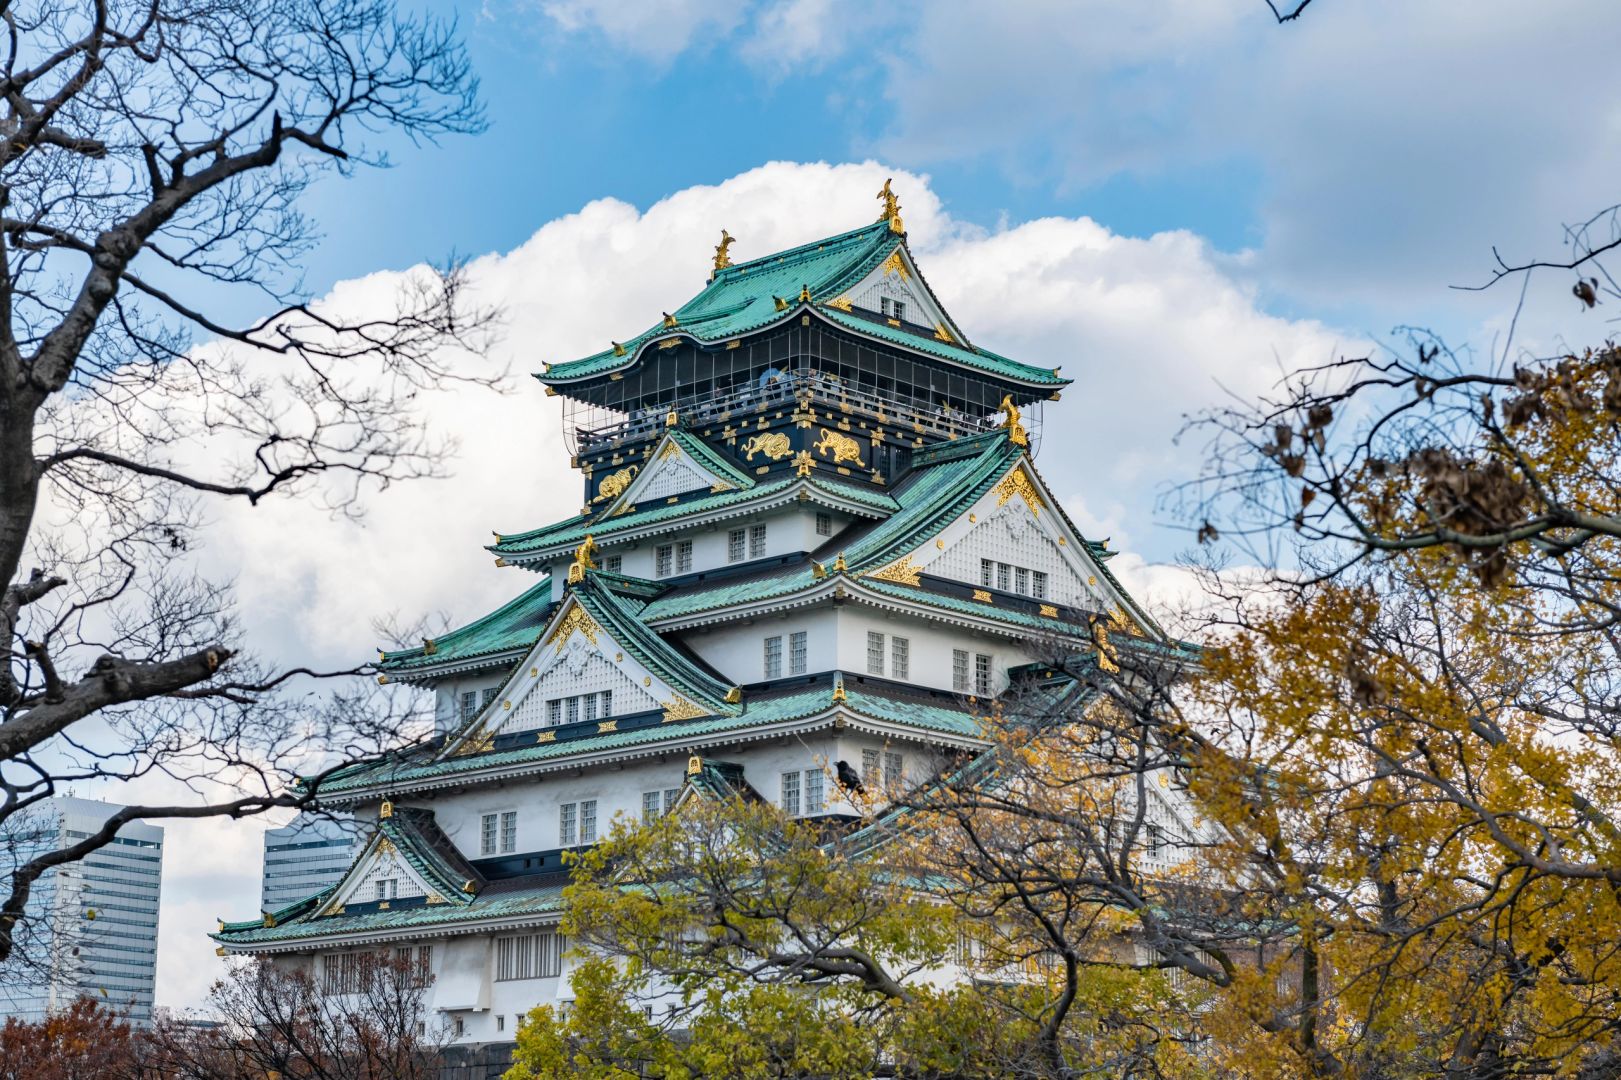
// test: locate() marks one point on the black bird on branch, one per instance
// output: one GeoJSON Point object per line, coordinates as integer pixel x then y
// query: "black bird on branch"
{"type": "Point", "coordinates": [849, 779]}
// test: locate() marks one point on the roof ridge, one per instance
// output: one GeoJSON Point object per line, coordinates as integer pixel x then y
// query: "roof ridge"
{"type": "Point", "coordinates": [808, 248]}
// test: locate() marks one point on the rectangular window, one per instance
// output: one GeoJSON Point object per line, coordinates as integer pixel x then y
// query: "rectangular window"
{"type": "Point", "coordinates": [529, 956]}
{"type": "Point", "coordinates": [894, 769]}
{"type": "Point", "coordinates": [568, 821]}
{"type": "Point", "coordinates": [387, 888]}
{"type": "Point", "coordinates": [588, 821]}
{"type": "Point", "coordinates": [815, 802]}
{"type": "Point", "coordinates": [1021, 581]}
{"type": "Point", "coordinates": [798, 653]}
{"type": "Point", "coordinates": [663, 560]}
{"type": "Point", "coordinates": [590, 707]}
{"type": "Point", "coordinates": [900, 310]}
{"type": "Point", "coordinates": [607, 702]}
{"type": "Point", "coordinates": [670, 796]}
{"type": "Point", "coordinates": [870, 776]}
{"type": "Point", "coordinates": [554, 712]}
{"type": "Point", "coordinates": [490, 692]}
{"type": "Point", "coordinates": [959, 670]}
{"type": "Point", "coordinates": [500, 1023]}
{"type": "Point", "coordinates": [735, 551]}
{"type": "Point", "coordinates": [875, 653]}
{"type": "Point", "coordinates": [883, 306]}
{"type": "Point", "coordinates": [987, 572]}
{"type": "Point", "coordinates": [469, 705]}
{"type": "Point", "coordinates": [650, 807]}
{"type": "Point", "coordinates": [613, 564]}
{"type": "Point", "coordinates": [824, 524]}
{"type": "Point", "coordinates": [573, 710]}
{"type": "Point", "coordinates": [683, 557]}
{"type": "Point", "coordinates": [982, 675]}
{"type": "Point", "coordinates": [756, 541]}
{"type": "Point", "coordinates": [900, 658]}
{"type": "Point", "coordinates": [509, 831]}
{"type": "Point", "coordinates": [773, 657]}
{"type": "Point", "coordinates": [790, 793]}
{"type": "Point", "coordinates": [486, 834]}
{"type": "Point", "coordinates": [1002, 569]}
{"type": "Point", "coordinates": [1038, 584]}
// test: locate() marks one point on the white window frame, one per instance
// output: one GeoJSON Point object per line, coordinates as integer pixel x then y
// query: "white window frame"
{"type": "Point", "coordinates": [509, 831]}
{"type": "Point", "coordinates": [875, 653]}
{"type": "Point", "coordinates": [756, 541]}
{"type": "Point", "coordinates": [737, 545]}
{"type": "Point", "coordinates": [798, 652]}
{"type": "Point", "coordinates": [900, 657]}
{"type": "Point", "coordinates": [683, 556]}
{"type": "Point", "coordinates": [788, 799]}
{"type": "Point", "coordinates": [771, 657]}
{"type": "Point", "coordinates": [663, 560]}
{"type": "Point", "coordinates": [961, 671]}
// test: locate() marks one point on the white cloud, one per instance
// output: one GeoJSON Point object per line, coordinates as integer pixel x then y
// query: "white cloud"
{"type": "Point", "coordinates": [649, 28]}
{"type": "Point", "coordinates": [1145, 326]}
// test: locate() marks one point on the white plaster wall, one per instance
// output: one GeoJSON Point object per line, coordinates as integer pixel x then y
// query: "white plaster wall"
{"type": "Point", "coordinates": [932, 644]}
{"type": "Point", "coordinates": [618, 788]}
{"type": "Point", "coordinates": [448, 695]}
{"type": "Point", "coordinates": [789, 530]}
{"type": "Point", "coordinates": [737, 650]}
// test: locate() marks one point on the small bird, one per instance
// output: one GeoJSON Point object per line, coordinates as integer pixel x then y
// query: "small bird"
{"type": "Point", "coordinates": [1586, 291]}
{"type": "Point", "coordinates": [848, 777]}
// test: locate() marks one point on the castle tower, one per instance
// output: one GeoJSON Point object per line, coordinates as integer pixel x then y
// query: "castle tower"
{"type": "Point", "coordinates": [812, 542]}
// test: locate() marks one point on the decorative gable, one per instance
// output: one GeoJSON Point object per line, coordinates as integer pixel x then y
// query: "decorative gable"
{"type": "Point", "coordinates": [1016, 524]}
{"type": "Point", "coordinates": [382, 863]}
{"type": "Point", "coordinates": [1013, 535]}
{"type": "Point", "coordinates": [670, 471]}
{"type": "Point", "coordinates": [575, 657]}
{"type": "Point", "coordinates": [894, 290]}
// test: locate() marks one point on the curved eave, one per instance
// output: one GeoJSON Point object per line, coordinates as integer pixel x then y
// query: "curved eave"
{"type": "Point", "coordinates": [1040, 378]}
{"type": "Point", "coordinates": [765, 497]}
{"type": "Point", "coordinates": [674, 741]}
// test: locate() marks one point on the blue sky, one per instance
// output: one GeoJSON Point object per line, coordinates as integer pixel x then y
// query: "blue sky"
{"type": "Point", "coordinates": [1171, 199]}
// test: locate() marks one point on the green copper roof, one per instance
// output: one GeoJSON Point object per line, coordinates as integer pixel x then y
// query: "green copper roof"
{"type": "Point", "coordinates": [753, 295]}
{"type": "Point", "coordinates": [513, 625]}
{"type": "Point", "coordinates": [497, 902]}
{"type": "Point", "coordinates": [573, 530]}
{"type": "Point", "coordinates": [620, 617]}
{"type": "Point", "coordinates": [877, 702]}
{"type": "Point", "coordinates": [928, 499]}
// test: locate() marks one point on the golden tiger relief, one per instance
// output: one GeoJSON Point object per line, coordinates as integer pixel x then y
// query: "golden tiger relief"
{"type": "Point", "coordinates": [773, 445]}
{"type": "Point", "coordinates": [614, 484]}
{"type": "Point", "coordinates": [842, 447]}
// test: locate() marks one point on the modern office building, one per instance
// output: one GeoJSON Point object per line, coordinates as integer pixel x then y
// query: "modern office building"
{"type": "Point", "coordinates": [304, 857]}
{"type": "Point", "coordinates": [94, 929]}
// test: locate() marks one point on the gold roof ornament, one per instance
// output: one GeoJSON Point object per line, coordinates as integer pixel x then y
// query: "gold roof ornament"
{"type": "Point", "coordinates": [892, 208]}
{"type": "Point", "coordinates": [723, 257]}
{"type": "Point", "coordinates": [386, 810]}
{"type": "Point", "coordinates": [619, 350]}
{"type": "Point", "coordinates": [582, 560]}
{"type": "Point", "coordinates": [669, 320]}
{"type": "Point", "coordinates": [838, 690]}
{"type": "Point", "coordinates": [839, 566]}
{"type": "Point", "coordinates": [695, 765]}
{"type": "Point", "coordinates": [1015, 430]}
{"type": "Point", "coordinates": [804, 294]}
{"type": "Point", "coordinates": [734, 696]}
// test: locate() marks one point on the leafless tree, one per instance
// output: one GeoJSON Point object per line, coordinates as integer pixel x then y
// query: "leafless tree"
{"type": "Point", "coordinates": [270, 1021]}
{"type": "Point", "coordinates": [154, 158]}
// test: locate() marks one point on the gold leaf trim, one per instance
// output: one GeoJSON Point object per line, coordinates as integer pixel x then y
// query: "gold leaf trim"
{"type": "Point", "coordinates": [679, 708]}
{"type": "Point", "coordinates": [902, 571]}
{"type": "Point", "coordinates": [1017, 483]}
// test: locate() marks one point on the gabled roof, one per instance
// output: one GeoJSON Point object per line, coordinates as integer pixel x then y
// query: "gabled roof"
{"type": "Point", "coordinates": [877, 701]}
{"type": "Point", "coordinates": [712, 469]}
{"type": "Point", "coordinates": [755, 295]}
{"type": "Point", "coordinates": [417, 839]}
{"type": "Point", "coordinates": [484, 642]}
{"type": "Point", "coordinates": [942, 483]}
{"type": "Point", "coordinates": [602, 527]}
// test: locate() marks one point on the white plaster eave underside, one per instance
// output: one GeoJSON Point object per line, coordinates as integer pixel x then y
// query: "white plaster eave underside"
{"type": "Point", "coordinates": [790, 494]}
{"type": "Point", "coordinates": [474, 925]}
{"type": "Point", "coordinates": [676, 744]}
